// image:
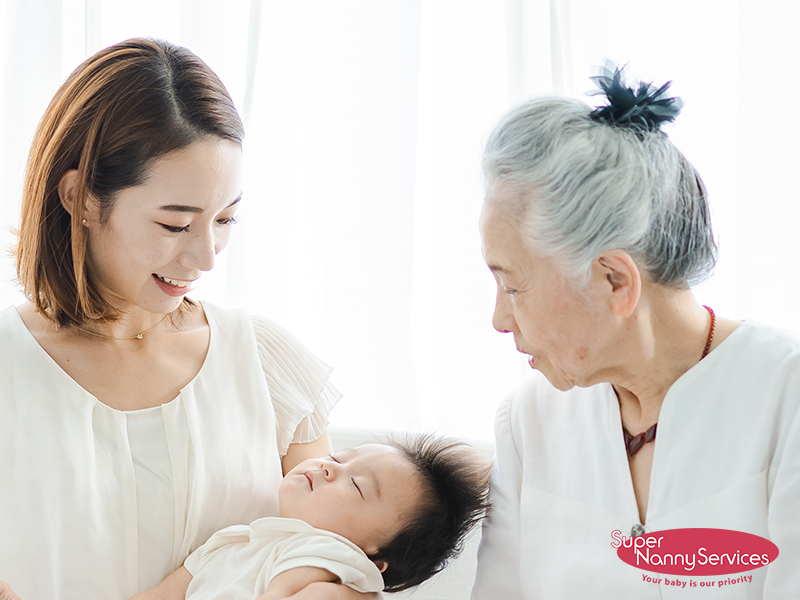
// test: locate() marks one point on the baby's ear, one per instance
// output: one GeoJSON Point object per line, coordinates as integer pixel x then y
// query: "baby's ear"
{"type": "Point", "coordinates": [381, 564]}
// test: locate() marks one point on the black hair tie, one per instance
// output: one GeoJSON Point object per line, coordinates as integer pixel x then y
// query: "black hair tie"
{"type": "Point", "coordinates": [642, 110]}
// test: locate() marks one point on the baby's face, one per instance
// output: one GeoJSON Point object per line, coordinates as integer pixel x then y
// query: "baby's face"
{"type": "Point", "coordinates": [365, 494]}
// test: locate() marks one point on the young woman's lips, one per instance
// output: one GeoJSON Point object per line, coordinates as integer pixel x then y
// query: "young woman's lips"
{"type": "Point", "coordinates": [171, 289]}
{"type": "Point", "coordinates": [310, 481]}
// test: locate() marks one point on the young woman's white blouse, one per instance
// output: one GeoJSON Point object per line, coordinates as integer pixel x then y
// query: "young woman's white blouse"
{"type": "Point", "coordinates": [101, 503]}
{"type": "Point", "coordinates": [727, 456]}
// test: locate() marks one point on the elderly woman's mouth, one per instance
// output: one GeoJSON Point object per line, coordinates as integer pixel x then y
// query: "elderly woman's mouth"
{"type": "Point", "coordinates": [531, 359]}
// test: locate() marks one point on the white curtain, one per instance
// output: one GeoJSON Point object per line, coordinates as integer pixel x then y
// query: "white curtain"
{"type": "Point", "coordinates": [365, 122]}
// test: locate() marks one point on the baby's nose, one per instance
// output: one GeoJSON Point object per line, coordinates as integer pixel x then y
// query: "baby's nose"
{"type": "Point", "coordinates": [330, 470]}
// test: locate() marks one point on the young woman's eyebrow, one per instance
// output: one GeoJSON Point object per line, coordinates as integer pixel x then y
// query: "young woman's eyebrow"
{"type": "Point", "coordinates": [186, 208]}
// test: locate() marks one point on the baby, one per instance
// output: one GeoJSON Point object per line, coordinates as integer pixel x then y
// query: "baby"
{"type": "Point", "coordinates": [375, 517]}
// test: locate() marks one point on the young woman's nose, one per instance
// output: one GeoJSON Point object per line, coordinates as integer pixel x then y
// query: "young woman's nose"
{"type": "Point", "coordinates": [202, 250]}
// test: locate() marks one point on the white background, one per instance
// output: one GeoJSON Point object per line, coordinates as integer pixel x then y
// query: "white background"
{"type": "Point", "coordinates": [365, 122]}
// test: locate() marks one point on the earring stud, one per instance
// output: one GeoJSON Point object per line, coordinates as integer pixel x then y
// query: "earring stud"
{"type": "Point", "coordinates": [83, 221]}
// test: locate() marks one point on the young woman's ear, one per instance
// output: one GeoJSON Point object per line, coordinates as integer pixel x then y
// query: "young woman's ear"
{"type": "Point", "coordinates": [66, 190]}
{"type": "Point", "coordinates": [66, 193]}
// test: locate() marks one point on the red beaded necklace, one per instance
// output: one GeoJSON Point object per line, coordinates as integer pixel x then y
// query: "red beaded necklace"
{"type": "Point", "coordinates": [634, 443]}
{"type": "Point", "coordinates": [710, 331]}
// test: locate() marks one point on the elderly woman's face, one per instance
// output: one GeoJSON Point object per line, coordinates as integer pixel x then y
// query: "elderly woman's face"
{"type": "Point", "coordinates": [563, 331]}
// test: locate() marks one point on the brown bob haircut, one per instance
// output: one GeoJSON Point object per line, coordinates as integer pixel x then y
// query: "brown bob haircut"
{"type": "Point", "coordinates": [116, 114]}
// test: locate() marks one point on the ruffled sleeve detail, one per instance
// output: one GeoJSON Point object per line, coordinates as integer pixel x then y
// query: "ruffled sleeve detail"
{"type": "Point", "coordinates": [301, 392]}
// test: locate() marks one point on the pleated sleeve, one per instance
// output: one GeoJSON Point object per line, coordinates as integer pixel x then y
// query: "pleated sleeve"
{"type": "Point", "coordinates": [299, 385]}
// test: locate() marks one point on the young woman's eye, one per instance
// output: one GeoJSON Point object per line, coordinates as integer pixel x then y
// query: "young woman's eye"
{"type": "Point", "coordinates": [333, 458]}
{"type": "Point", "coordinates": [173, 229]}
{"type": "Point", "coordinates": [228, 221]}
{"type": "Point", "coordinates": [358, 488]}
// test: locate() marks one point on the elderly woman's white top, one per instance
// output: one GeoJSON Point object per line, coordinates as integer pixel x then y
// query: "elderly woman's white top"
{"type": "Point", "coordinates": [727, 456]}
{"type": "Point", "coordinates": [101, 503]}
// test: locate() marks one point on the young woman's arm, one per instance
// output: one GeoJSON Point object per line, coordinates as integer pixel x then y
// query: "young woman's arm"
{"type": "Point", "coordinates": [297, 453]}
{"type": "Point", "coordinates": [290, 582]}
{"type": "Point", "coordinates": [321, 590]}
{"type": "Point", "coordinates": [173, 587]}
{"type": "Point", "coordinates": [311, 583]}
{"type": "Point", "coordinates": [6, 593]}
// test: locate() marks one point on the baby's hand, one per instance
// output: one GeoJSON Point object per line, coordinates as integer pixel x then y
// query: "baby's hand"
{"type": "Point", "coordinates": [331, 591]}
{"type": "Point", "coordinates": [6, 593]}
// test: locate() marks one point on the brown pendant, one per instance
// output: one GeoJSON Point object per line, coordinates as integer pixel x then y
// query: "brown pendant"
{"type": "Point", "coordinates": [634, 443]}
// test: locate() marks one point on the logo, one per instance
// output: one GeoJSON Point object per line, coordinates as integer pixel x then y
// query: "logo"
{"type": "Point", "coordinates": [695, 552]}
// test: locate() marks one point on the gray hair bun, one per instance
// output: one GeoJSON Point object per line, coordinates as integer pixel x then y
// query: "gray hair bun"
{"type": "Point", "coordinates": [579, 182]}
{"type": "Point", "coordinates": [642, 109]}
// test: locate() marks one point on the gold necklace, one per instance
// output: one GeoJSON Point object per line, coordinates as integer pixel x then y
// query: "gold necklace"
{"type": "Point", "coordinates": [138, 336]}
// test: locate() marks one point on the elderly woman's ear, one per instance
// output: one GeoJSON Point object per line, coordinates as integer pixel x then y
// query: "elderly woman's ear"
{"type": "Point", "coordinates": [620, 280]}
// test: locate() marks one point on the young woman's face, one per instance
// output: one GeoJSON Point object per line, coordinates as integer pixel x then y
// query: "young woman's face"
{"type": "Point", "coordinates": [365, 494]}
{"type": "Point", "coordinates": [160, 236]}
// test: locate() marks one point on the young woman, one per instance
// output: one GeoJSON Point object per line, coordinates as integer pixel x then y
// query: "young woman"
{"type": "Point", "coordinates": [135, 422]}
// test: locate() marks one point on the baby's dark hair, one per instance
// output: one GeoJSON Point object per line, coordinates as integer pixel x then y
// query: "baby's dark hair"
{"type": "Point", "coordinates": [455, 498]}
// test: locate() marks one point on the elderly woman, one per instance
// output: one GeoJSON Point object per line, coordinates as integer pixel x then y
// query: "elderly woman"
{"type": "Point", "coordinates": [648, 412]}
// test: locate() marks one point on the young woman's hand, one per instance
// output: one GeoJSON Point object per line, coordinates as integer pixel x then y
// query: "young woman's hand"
{"type": "Point", "coordinates": [6, 593]}
{"type": "Point", "coordinates": [330, 591]}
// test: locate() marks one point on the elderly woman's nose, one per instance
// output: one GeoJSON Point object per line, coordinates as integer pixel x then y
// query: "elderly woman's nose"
{"type": "Point", "coordinates": [503, 318]}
